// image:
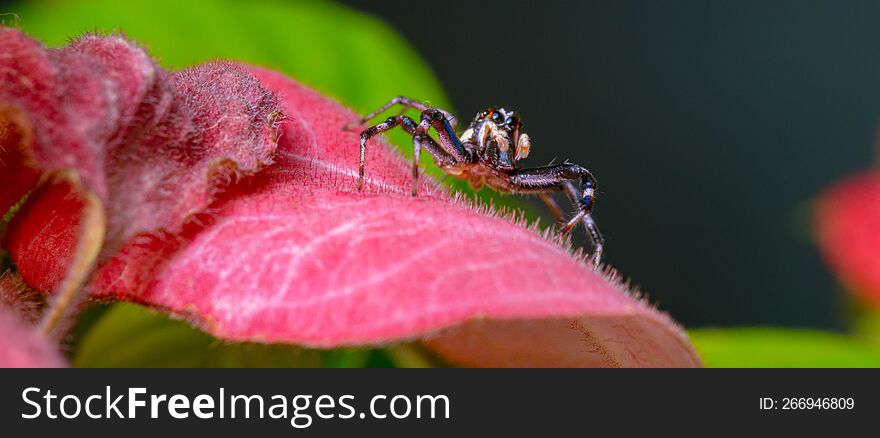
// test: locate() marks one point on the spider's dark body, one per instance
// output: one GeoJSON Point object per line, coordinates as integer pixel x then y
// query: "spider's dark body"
{"type": "Point", "coordinates": [487, 153]}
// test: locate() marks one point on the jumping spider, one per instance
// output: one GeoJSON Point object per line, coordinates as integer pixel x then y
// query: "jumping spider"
{"type": "Point", "coordinates": [487, 153]}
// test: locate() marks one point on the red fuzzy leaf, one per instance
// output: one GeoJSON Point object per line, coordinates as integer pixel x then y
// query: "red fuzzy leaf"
{"type": "Point", "coordinates": [43, 236]}
{"type": "Point", "coordinates": [17, 297]}
{"type": "Point", "coordinates": [848, 228]}
{"type": "Point", "coordinates": [20, 345]}
{"type": "Point", "coordinates": [296, 255]}
{"type": "Point", "coordinates": [18, 173]}
{"type": "Point", "coordinates": [155, 147]}
{"type": "Point", "coordinates": [292, 253]}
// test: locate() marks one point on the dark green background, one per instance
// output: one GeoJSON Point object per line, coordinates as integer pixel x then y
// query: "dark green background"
{"type": "Point", "coordinates": [709, 125]}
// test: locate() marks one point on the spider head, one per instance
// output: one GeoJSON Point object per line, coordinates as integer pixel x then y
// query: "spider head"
{"type": "Point", "coordinates": [500, 126]}
{"type": "Point", "coordinates": [499, 116]}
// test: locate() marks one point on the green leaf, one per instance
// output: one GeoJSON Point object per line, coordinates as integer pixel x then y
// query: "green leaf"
{"type": "Point", "coordinates": [780, 348]}
{"type": "Point", "coordinates": [348, 55]}
{"type": "Point", "coordinates": [128, 335]}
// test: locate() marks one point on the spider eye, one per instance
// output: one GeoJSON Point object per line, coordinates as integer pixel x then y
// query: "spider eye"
{"type": "Point", "coordinates": [496, 117]}
{"type": "Point", "coordinates": [508, 121]}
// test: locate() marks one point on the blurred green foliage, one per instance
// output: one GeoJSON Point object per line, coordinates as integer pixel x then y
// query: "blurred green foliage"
{"type": "Point", "coordinates": [354, 58]}
{"type": "Point", "coordinates": [128, 335]}
{"type": "Point", "coordinates": [758, 347]}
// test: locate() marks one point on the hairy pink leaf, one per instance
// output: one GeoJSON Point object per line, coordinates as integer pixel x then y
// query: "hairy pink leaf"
{"type": "Point", "coordinates": [252, 243]}
{"type": "Point", "coordinates": [154, 147]}
{"type": "Point", "coordinates": [295, 254]}
{"type": "Point", "coordinates": [42, 238]}
{"type": "Point", "coordinates": [135, 135]}
{"type": "Point", "coordinates": [847, 225]}
{"type": "Point", "coordinates": [22, 347]}
{"type": "Point", "coordinates": [18, 173]}
{"type": "Point", "coordinates": [20, 344]}
{"type": "Point", "coordinates": [19, 298]}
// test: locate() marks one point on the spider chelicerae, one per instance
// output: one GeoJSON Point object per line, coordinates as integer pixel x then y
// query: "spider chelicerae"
{"type": "Point", "coordinates": [487, 152]}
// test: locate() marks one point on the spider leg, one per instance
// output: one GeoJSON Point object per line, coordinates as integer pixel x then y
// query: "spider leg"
{"type": "Point", "coordinates": [578, 184]}
{"type": "Point", "coordinates": [435, 118]}
{"type": "Point", "coordinates": [406, 103]}
{"type": "Point", "coordinates": [451, 149]}
{"type": "Point", "coordinates": [552, 205]}
{"type": "Point", "coordinates": [408, 125]}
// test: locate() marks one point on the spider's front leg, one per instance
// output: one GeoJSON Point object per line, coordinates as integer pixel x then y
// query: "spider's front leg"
{"type": "Point", "coordinates": [450, 150]}
{"type": "Point", "coordinates": [408, 125]}
{"type": "Point", "coordinates": [399, 100]}
{"type": "Point", "coordinates": [577, 182]}
{"type": "Point", "coordinates": [419, 140]}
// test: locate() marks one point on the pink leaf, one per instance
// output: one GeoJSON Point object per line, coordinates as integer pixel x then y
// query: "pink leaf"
{"type": "Point", "coordinates": [17, 297]}
{"type": "Point", "coordinates": [43, 236]}
{"type": "Point", "coordinates": [154, 147]}
{"type": "Point", "coordinates": [20, 345]}
{"type": "Point", "coordinates": [207, 220]}
{"type": "Point", "coordinates": [18, 173]}
{"type": "Point", "coordinates": [296, 255]}
{"type": "Point", "coordinates": [847, 225]}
